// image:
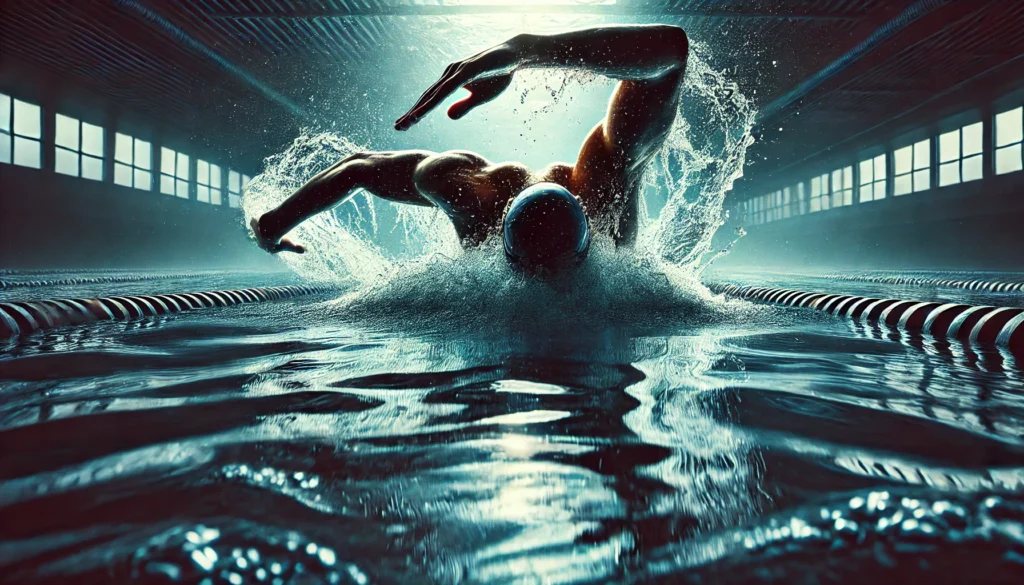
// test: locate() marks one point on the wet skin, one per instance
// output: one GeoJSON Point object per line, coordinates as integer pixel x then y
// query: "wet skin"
{"type": "Point", "coordinates": [649, 61]}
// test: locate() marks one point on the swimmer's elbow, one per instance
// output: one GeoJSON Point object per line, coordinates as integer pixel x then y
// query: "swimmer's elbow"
{"type": "Point", "coordinates": [675, 41]}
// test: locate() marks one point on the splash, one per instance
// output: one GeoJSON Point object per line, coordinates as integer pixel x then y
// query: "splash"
{"type": "Point", "coordinates": [703, 157]}
{"type": "Point", "coordinates": [343, 245]}
{"type": "Point", "coordinates": [379, 246]}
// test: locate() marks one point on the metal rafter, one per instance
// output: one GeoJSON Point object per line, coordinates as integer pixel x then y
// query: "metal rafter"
{"type": "Point", "coordinates": [589, 9]}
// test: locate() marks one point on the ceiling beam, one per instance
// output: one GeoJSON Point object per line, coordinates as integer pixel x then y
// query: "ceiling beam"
{"type": "Point", "coordinates": [163, 23]}
{"type": "Point", "coordinates": [592, 9]}
{"type": "Point", "coordinates": [885, 32]}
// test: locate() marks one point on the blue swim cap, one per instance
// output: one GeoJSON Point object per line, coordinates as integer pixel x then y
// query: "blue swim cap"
{"type": "Point", "coordinates": [546, 229]}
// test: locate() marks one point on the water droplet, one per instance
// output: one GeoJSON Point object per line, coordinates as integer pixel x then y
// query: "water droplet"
{"type": "Point", "coordinates": [327, 556]}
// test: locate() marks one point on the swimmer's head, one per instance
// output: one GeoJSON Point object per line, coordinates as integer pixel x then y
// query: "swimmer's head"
{"type": "Point", "coordinates": [545, 229]}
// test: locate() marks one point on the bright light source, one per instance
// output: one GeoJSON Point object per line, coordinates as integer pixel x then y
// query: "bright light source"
{"type": "Point", "coordinates": [527, 2]}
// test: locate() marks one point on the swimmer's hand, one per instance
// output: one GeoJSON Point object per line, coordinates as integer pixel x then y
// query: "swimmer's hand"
{"type": "Point", "coordinates": [285, 245]}
{"type": "Point", "coordinates": [485, 75]}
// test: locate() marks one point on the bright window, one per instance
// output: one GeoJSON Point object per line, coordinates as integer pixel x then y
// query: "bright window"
{"type": "Point", "coordinates": [5, 129]}
{"type": "Point", "coordinates": [819, 193]}
{"type": "Point", "coordinates": [842, 187]}
{"type": "Point", "coordinates": [208, 182]}
{"type": "Point", "coordinates": [234, 189]}
{"type": "Point", "coordinates": [21, 131]}
{"type": "Point", "coordinates": [912, 168]}
{"type": "Point", "coordinates": [800, 206]}
{"type": "Point", "coordinates": [1009, 135]}
{"type": "Point", "coordinates": [174, 173]}
{"type": "Point", "coordinates": [777, 204]}
{"type": "Point", "coordinates": [872, 179]}
{"type": "Point", "coordinates": [960, 155]}
{"type": "Point", "coordinates": [133, 162]}
{"type": "Point", "coordinates": [787, 202]}
{"type": "Point", "coordinates": [79, 148]}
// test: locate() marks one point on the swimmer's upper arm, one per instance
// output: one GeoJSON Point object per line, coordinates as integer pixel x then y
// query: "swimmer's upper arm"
{"type": "Point", "coordinates": [640, 117]}
{"type": "Point", "coordinates": [389, 175]}
{"type": "Point", "coordinates": [456, 180]}
{"type": "Point", "coordinates": [641, 111]}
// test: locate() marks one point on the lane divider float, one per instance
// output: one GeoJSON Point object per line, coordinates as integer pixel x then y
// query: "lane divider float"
{"type": "Point", "coordinates": [987, 325]}
{"type": "Point", "coordinates": [25, 317]}
{"type": "Point", "coordinates": [108, 278]}
{"type": "Point", "coordinates": [1013, 285]}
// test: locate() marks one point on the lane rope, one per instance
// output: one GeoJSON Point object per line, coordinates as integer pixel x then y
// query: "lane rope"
{"type": "Point", "coordinates": [990, 325]}
{"type": "Point", "coordinates": [8, 283]}
{"type": "Point", "coordinates": [19, 318]}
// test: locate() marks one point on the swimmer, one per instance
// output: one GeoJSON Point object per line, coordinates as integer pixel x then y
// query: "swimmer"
{"type": "Point", "coordinates": [545, 218]}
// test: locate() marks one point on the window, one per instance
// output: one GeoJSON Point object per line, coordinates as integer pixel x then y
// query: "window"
{"type": "Point", "coordinates": [787, 202]}
{"type": "Point", "coordinates": [800, 204]}
{"type": "Point", "coordinates": [872, 179]}
{"type": "Point", "coordinates": [5, 129]}
{"type": "Point", "coordinates": [819, 193]}
{"type": "Point", "coordinates": [912, 168]}
{"type": "Point", "coordinates": [208, 182]}
{"type": "Point", "coordinates": [842, 187]}
{"type": "Point", "coordinates": [777, 202]}
{"type": "Point", "coordinates": [1009, 135]}
{"type": "Point", "coordinates": [173, 173]}
{"type": "Point", "coordinates": [234, 189]}
{"type": "Point", "coordinates": [78, 148]}
{"type": "Point", "coordinates": [133, 161]}
{"type": "Point", "coordinates": [960, 155]}
{"type": "Point", "coordinates": [20, 133]}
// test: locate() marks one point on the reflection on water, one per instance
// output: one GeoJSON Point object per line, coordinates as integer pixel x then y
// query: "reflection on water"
{"type": "Point", "coordinates": [265, 444]}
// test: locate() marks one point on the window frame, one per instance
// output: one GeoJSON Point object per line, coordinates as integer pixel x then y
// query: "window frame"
{"type": "Point", "coordinates": [206, 190]}
{"type": "Point", "coordinates": [181, 177]}
{"type": "Point", "coordinates": [234, 190]}
{"type": "Point", "coordinates": [842, 194]}
{"type": "Point", "coordinates": [918, 175]}
{"type": "Point", "coordinates": [999, 149]}
{"type": "Point", "coordinates": [821, 193]}
{"type": "Point", "coordinates": [80, 151]}
{"type": "Point", "coordinates": [869, 182]}
{"type": "Point", "coordinates": [132, 167]}
{"type": "Point", "coordinates": [961, 159]}
{"type": "Point", "coordinates": [14, 139]}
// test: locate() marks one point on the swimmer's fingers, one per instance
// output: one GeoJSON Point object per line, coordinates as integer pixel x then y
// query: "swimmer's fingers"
{"type": "Point", "coordinates": [455, 76]}
{"type": "Point", "coordinates": [498, 62]}
{"type": "Point", "coordinates": [480, 92]}
{"type": "Point", "coordinates": [286, 245]}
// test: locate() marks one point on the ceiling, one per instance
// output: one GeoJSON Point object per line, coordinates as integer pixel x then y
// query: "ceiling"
{"type": "Point", "coordinates": [247, 74]}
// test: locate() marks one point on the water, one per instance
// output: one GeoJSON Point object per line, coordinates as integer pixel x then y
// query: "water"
{"type": "Point", "coordinates": [373, 450]}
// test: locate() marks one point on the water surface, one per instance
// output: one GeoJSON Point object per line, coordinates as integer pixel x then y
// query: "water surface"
{"type": "Point", "coordinates": [288, 441]}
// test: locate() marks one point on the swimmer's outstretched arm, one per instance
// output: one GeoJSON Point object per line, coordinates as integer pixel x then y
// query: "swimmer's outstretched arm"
{"type": "Point", "coordinates": [388, 175]}
{"type": "Point", "coordinates": [639, 53]}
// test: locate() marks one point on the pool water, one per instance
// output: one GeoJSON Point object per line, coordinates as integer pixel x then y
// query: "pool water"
{"type": "Point", "coordinates": [287, 443]}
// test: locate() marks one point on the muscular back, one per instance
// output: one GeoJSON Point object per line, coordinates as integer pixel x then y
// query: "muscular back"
{"type": "Point", "coordinates": [474, 192]}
